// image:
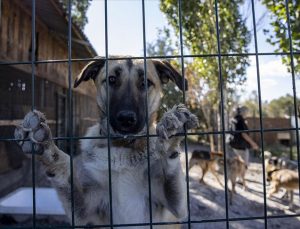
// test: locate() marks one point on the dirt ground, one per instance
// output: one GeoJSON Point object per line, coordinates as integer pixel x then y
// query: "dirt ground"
{"type": "Point", "coordinates": [207, 202]}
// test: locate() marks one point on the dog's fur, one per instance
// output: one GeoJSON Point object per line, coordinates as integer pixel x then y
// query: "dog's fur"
{"type": "Point", "coordinates": [283, 178]}
{"type": "Point", "coordinates": [280, 163]}
{"type": "Point", "coordinates": [128, 156]}
{"type": "Point", "coordinates": [207, 161]}
{"type": "Point", "coordinates": [236, 168]}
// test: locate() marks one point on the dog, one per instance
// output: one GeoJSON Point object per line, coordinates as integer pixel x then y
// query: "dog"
{"type": "Point", "coordinates": [208, 161]}
{"type": "Point", "coordinates": [236, 168]}
{"type": "Point", "coordinates": [283, 178]}
{"type": "Point", "coordinates": [280, 163]}
{"type": "Point", "coordinates": [126, 89]}
{"type": "Point", "coordinates": [274, 162]}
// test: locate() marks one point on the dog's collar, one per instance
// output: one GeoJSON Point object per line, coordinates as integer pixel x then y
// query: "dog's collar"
{"type": "Point", "coordinates": [123, 142]}
{"type": "Point", "coordinates": [127, 143]}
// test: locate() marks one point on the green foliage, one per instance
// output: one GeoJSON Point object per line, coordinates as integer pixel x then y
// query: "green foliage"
{"type": "Point", "coordinates": [79, 9]}
{"type": "Point", "coordinates": [164, 46]}
{"type": "Point", "coordinates": [280, 107]}
{"type": "Point", "coordinates": [200, 37]}
{"type": "Point", "coordinates": [280, 38]}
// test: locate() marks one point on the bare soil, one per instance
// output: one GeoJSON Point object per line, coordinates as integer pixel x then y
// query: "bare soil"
{"type": "Point", "coordinates": [207, 202]}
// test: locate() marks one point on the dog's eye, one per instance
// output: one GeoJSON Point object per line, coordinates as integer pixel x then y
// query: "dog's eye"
{"type": "Point", "coordinates": [149, 84]}
{"type": "Point", "coordinates": [112, 80]}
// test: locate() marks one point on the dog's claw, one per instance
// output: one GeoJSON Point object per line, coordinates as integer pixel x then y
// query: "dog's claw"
{"type": "Point", "coordinates": [33, 134]}
{"type": "Point", "coordinates": [174, 121]}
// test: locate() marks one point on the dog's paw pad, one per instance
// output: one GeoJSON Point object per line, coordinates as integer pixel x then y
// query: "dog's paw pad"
{"type": "Point", "coordinates": [167, 126]}
{"type": "Point", "coordinates": [41, 134]}
{"type": "Point", "coordinates": [19, 133]}
{"type": "Point", "coordinates": [174, 121]}
{"type": "Point", "coordinates": [33, 134]}
{"type": "Point", "coordinates": [32, 120]}
{"type": "Point", "coordinates": [29, 147]}
{"type": "Point", "coordinates": [185, 116]}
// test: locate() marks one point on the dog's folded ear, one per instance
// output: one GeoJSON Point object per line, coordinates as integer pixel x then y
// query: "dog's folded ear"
{"type": "Point", "coordinates": [167, 72]}
{"type": "Point", "coordinates": [90, 71]}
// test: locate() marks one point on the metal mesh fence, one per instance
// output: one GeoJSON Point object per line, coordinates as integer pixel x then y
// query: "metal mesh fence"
{"type": "Point", "coordinates": [70, 138]}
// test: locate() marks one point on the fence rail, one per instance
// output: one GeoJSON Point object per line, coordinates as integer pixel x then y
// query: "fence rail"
{"type": "Point", "coordinates": [70, 138]}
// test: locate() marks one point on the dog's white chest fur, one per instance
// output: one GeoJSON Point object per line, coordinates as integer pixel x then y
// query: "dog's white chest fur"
{"type": "Point", "coordinates": [130, 192]}
{"type": "Point", "coordinates": [130, 196]}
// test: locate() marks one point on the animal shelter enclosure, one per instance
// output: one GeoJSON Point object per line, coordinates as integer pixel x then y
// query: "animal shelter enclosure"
{"type": "Point", "coordinates": [42, 51]}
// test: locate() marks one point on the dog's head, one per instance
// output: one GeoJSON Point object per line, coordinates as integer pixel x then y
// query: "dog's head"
{"type": "Point", "coordinates": [124, 82]}
{"type": "Point", "coordinates": [271, 165]}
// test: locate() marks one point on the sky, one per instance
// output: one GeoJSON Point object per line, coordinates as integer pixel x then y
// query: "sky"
{"type": "Point", "coordinates": [125, 37]}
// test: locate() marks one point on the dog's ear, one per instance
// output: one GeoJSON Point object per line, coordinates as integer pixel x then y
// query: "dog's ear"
{"type": "Point", "coordinates": [90, 71]}
{"type": "Point", "coordinates": [167, 72]}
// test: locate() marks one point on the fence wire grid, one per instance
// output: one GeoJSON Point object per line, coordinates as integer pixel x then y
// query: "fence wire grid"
{"type": "Point", "coordinates": [219, 55]}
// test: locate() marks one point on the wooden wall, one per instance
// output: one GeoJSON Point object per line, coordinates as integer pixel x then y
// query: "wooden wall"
{"type": "Point", "coordinates": [15, 45]}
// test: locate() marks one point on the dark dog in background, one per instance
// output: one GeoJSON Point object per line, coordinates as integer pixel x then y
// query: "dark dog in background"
{"type": "Point", "coordinates": [207, 161]}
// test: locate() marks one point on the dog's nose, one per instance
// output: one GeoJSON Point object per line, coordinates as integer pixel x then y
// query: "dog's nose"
{"type": "Point", "coordinates": [127, 118]}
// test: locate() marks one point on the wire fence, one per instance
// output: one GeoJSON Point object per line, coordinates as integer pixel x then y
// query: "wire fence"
{"type": "Point", "coordinates": [70, 138]}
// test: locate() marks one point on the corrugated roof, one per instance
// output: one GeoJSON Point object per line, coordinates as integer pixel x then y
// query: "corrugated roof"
{"type": "Point", "coordinates": [52, 14]}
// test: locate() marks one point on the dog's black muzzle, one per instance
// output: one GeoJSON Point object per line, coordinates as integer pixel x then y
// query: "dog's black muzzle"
{"type": "Point", "coordinates": [127, 122]}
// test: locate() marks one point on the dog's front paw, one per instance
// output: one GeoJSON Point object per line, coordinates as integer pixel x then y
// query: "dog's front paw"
{"type": "Point", "coordinates": [33, 133]}
{"type": "Point", "coordinates": [175, 120]}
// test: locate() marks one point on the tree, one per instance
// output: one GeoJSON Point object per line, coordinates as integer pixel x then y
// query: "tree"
{"type": "Point", "coordinates": [281, 107]}
{"type": "Point", "coordinates": [79, 9]}
{"type": "Point", "coordinates": [280, 37]}
{"type": "Point", "coordinates": [200, 37]}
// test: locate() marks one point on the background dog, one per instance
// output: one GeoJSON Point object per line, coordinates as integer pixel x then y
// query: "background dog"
{"type": "Point", "coordinates": [236, 168]}
{"type": "Point", "coordinates": [281, 163]}
{"type": "Point", "coordinates": [126, 89]}
{"type": "Point", "coordinates": [207, 161]}
{"type": "Point", "coordinates": [283, 178]}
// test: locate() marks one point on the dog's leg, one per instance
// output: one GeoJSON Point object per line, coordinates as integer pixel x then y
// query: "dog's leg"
{"type": "Point", "coordinates": [35, 133]}
{"type": "Point", "coordinates": [244, 180]}
{"type": "Point", "coordinates": [217, 177]}
{"type": "Point", "coordinates": [232, 190]}
{"type": "Point", "coordinates": [192, 162]}
{"type": "Point", "coordinates": [274, 189]}
{"type": "Point", "coordinates": [291, 205]}
{"type": "Point", "coordinates": [230, 197]}
{"type": "Point", "coordinates": [204, 171]}
{"type": "Point", "coordinates": [174, 190]}
{"type": "Point", "coordinates": [285, 194]}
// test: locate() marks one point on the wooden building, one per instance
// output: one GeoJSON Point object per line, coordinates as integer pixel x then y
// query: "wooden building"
{"type": "Point", "coordinates": [51, 79]}
{"type": "Point", "coordinates": [282, 137]}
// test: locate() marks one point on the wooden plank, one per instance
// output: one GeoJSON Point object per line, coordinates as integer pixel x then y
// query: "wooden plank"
{"type": "Point", "coordinates": [10, 31]}
{"type": "Point", "coordinates": [21, 36]}
{"type": "Point", "coordinates": [16, 30]}
{"type": "Point", "coordinates": [4, 21]}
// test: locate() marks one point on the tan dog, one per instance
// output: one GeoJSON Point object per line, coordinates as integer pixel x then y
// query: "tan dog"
{"type": "Point", "coordinates": [283, 178]}
{"type": "Point", "coordinates": [236, 168]}
{"type": "Point", "coordinates": [280, 163]}
{"type": "Point", "coordinates": [207, 161]}
{"type": "Point", "coordinates": [121, 97]}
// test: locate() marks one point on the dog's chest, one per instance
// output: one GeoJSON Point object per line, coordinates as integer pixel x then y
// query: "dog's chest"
{"type": "Point", "coordinates": [129, 197]}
